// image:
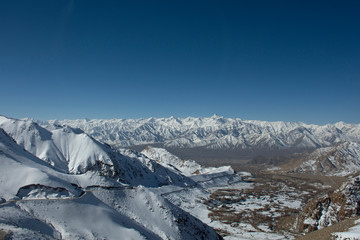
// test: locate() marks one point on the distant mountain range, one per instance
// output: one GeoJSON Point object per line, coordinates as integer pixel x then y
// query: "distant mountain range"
{"type": "Point", "coordinates": [215, 133]}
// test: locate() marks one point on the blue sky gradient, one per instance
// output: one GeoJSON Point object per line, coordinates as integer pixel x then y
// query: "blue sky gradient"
{"type": "Point", "coordinates": [265, 60]}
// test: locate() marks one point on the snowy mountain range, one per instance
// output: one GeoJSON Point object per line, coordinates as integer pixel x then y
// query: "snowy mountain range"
{"type": "Point", "coordinates": [60, 183]}
{"type": "Point", "coordinates": [214, 133]}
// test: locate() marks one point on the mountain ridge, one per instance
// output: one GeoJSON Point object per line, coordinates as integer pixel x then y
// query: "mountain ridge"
{"type": "Point", "coordinates": [215, 132]}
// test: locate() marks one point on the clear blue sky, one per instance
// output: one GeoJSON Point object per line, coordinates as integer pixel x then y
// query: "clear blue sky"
{"type": "Point", "coordinates": [266, 60]}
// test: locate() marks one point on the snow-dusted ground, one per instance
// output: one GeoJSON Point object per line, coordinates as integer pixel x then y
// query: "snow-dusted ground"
{"type": "Point", "coordinates": [201, 204]}
{"type": "Point", "coordinates": [352, 234]}
{"type": "Point", "coordinates": [235, 204]}
{"type": "Point", "coordinates": [240, 209]}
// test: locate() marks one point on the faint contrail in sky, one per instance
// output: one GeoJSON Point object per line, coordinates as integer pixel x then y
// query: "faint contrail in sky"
{"type": "Point", "coordinates": [64, 19]}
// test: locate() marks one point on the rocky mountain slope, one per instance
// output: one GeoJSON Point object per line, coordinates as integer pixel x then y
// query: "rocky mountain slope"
{"type": "Point", "coordinates": [340, 160]}
{"type": "Point", "coordinates": [215, 133]}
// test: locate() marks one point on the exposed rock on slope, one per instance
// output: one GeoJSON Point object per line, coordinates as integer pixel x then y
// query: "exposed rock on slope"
{"type": "Point", "coordinates": [185, 167]}
{"type": "Point", "coordinates": [329, 209]}
{"type": "Point", "coordinates": [162, 174]}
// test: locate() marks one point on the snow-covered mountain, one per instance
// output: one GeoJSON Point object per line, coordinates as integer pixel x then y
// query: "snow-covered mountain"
{"type": "Point", "coordinates": [73, 151]}
{"type": "Point", "coordinates": [48, 199]}
{"type": "Point", "coordinates": [20, 169]}
{"type": "Point", "coordinates": [215, 133]}
{"type": "Point", "coordinates": [341, 160]}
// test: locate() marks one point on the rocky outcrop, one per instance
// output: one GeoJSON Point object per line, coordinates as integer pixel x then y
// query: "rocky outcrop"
{"type": "Point", "coordinates": [331, 208]}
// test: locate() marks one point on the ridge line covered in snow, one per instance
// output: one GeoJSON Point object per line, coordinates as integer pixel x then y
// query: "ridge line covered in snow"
{"type": "Point", "coordinates": [214, 132]}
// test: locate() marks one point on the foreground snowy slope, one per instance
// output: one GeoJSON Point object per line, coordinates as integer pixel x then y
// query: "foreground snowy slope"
{"type": "Point", "coordinates": [37, 202]}
{"type": "Point", "coordinates": [104, 214]}
{"type": "Point", "coordinates": [15, 162]}
{"type": "Point", "coordinates": [215, 132]}
{"type": "Point", "coordinates": [41, 201]}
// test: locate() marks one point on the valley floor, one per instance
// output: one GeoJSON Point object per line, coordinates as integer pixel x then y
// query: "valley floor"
{"type": "Point", "coordinates": [264, 206]}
